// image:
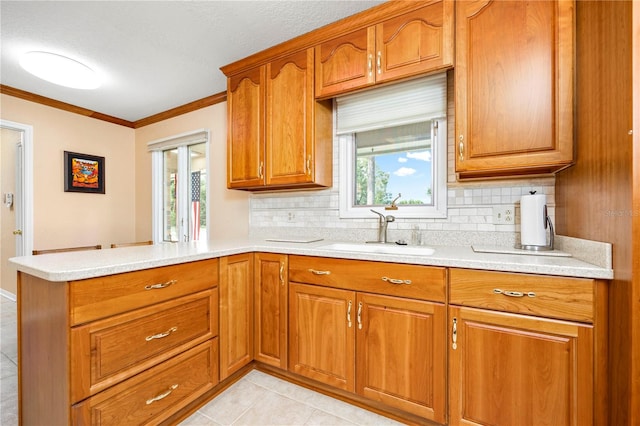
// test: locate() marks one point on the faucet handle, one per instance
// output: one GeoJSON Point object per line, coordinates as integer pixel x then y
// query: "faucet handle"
{"type": "Point", "coordinates": [393, 205]}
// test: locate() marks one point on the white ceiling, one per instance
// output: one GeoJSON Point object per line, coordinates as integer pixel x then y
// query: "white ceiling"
{"type": "Point", "coordinates": [154, 55]}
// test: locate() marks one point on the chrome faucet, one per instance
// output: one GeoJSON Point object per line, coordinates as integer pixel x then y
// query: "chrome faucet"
{"type": "Point", "coordinates": [383, 223]}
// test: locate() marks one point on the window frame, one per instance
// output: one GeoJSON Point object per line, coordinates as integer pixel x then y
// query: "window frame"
{"type": "Point", "coordinates": [439, 189]}
{"type": "Point", "coordinates": [157, 148]}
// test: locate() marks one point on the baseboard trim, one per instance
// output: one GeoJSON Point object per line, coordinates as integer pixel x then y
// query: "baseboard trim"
{"type": "Point", "coordinates": [8, 295]}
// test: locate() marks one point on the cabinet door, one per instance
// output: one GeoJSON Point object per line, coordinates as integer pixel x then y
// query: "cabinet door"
{"type": "Point", "coordinates": [508, 369]}
{"type": "Point", "coordinates": [271, 309]}
{"type": "Point", "coordinates": [245, 129]}
{"type": "Point", "coordinates": [345, 63]}
{"type": "Point", "coordinates": [400, 354]}
{"type": "Point", "coordinates": [236, 313]}
{"type": "Point", "coordinates": [322, 323]}
{"type": "Point", "coordinates": [514, 87]}
{"type": "Point", "coordinates": [290, 102]}
{"type": "Point", "coordinates": [415, 43]}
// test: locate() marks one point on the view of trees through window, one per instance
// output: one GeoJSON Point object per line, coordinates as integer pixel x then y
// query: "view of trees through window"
{"type": "Point", "coordinates": [394, 161]}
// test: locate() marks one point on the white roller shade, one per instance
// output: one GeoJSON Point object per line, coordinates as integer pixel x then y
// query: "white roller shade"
{"type": "Point", "coordinates": [394, 105]}
{"type": "Point", "coordinates": [189, 138]}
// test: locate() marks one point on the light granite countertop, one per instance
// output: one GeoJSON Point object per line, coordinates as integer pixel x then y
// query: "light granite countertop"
{"type": "Point", "coordinates": [95, 263]}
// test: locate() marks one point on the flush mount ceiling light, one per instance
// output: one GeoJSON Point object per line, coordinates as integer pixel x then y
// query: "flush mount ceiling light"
{"type": "Point", "coordinates": [60, 70]}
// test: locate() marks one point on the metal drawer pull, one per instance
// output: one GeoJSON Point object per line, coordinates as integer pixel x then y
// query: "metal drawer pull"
{"type": "Point", "coordinates": [281, 271]}
{"type": "Point", "coordinates": [160, 285]}
{"type": "Point", "coordinates": [161, 335]}
{"type": "Point", "coordinates": [395, 281]}
{"type": "Point", "coordinates": [162, 395]}
{"type": "Point", "coordinates": [313, 271]}
{"type": "Point", "coordinates": [454, 334]}
{"type": "Point", "coordinates": [360, 316]}
{"type": "Point", "coordinates": [349, 315]}
{"type": "Point", "coordinates": [513, 293]}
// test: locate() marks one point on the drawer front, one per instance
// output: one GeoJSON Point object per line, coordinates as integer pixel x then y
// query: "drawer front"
{"type": "Point", "coordinates": [393, 279]}
{"type": "Point", "coordinates": [554, 297]}
{"type": "Point", "coordinates": [156, 394]}
{"type": "Point", "coordinates": [108, 351]}
{"type": "Point", "coordinates": [101, 297]}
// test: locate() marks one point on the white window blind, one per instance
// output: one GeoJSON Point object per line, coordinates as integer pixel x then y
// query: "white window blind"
{"type": "Point", "coordinates": [394, 105]}
{"type": "Point", "coordinates": [189, 138]}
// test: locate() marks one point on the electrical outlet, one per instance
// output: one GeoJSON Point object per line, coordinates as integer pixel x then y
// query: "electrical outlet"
{"type": "Point", "coordinates": [291, 216]}
{"type": "Point", "coordinates": [504, 214]}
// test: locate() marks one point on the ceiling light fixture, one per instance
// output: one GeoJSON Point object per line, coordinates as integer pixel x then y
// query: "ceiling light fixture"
{"type": "Point", "coordinates": [60, 70]}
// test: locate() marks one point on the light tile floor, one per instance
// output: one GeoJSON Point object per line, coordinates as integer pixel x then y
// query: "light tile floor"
{"type": "Point", "coordinates": [256, 399]}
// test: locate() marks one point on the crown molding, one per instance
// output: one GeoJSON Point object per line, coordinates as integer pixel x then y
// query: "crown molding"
{"type": "Point", "coordinates": [174, 112]}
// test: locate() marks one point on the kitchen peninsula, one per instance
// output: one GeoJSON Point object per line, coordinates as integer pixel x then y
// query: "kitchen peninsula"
{"type": "Point", "coordinates": [144, 334]}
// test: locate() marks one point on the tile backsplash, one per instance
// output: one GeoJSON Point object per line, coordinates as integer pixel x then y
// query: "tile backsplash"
{"type": "Point", "coordinates": [470, 214]}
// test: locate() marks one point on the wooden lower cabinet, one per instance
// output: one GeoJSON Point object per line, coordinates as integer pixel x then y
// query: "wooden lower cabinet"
{"type": "Point", "coordinates": [322, 324]}
{"type": "Point", "coordinates": [236, 313]}
{"type": "Point", "coordinates": [400, 354]}
{"type": "Point", "coordinates": [151, 397]}
{"type": "Point", "coordinates": [388, 349]}
{"type": "Point", "coordinates": [270, 318]}
{"type": "Point", "coordinates": [510, 369]}
{"type": "Point", "coordinates": [129, 348]}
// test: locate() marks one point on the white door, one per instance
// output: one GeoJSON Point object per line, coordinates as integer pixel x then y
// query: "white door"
{"type": "Point", "coordinates": [16, 216]}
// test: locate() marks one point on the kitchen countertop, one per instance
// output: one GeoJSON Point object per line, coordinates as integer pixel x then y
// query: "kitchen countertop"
{"type": "Point", "coordinates": [95, 263]}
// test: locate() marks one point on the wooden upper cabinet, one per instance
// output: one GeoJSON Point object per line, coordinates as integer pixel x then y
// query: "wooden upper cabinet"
{"type": "Point", "coordinates": [245, 129]}
{"type": "Point", "coordinates": [514, 81]}
{"type": "Point", "coordinates": [413, 43]}
{"type": "Point", "coordinates": [279, 136]}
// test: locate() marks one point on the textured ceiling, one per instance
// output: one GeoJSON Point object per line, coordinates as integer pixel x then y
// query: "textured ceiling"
{"type": "Point", "coordinates": [154, 55]}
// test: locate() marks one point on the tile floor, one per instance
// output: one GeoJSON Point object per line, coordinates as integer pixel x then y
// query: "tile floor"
{"type": "Point", "coordinates": [256, 399]}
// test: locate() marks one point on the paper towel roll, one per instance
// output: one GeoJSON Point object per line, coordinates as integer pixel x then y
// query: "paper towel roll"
{"type": "Point", "coordinates": [532, 220]}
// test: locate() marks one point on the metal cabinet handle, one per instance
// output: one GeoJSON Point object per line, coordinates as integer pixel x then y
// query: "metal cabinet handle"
{"type": "Point", "coordinates": [309, 166]}
{"type": "Point", "coordinates": [161, 335]}
{"type": "Point", "coordinates": [454, 334]}
{"type": "Point", "coordinates": [360, 316]}
{"type": "Point", "coordinates": [461, 148]}
{"type": "Point", "coordinates": [349, 314]}
{"type": "Point", "coordinates": [370, 64]}
{"type": "Point", "coordinates": [281, 272]}
{"type": "Point", "coordinates": [261, 170]}
{"type": "Point", "coordinates": [395, 281]}
{"type": "Point", "coordinates": [379, 62]}
{"type": "Point", "coordinates": [513, 293]}
{"type": "Point", "coordinates": [316, 272]}
{"type": "Point", "coordinates": [160, 285]}
{"type": "Point", "coordinates": [163, 395]}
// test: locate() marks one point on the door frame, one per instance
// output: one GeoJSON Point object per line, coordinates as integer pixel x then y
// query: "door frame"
{"type": "Point", "coordinates": [25, 199]}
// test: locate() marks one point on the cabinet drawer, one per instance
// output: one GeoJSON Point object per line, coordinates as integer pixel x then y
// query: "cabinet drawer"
{"type": "Point", "coordinates": [154, 395]}
{"type": "Point", "coordinates": [108, 351]}
{"type": "Point", "coordinates": [101, 297]}
{"type": "Point", "coordinates": [554, 297]}
{"type": "Point", "coordinates": [393, 279]}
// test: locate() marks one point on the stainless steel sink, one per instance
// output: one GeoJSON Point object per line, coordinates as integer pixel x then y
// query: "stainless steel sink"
{"type": "Point", "coordinates": [381, 248]}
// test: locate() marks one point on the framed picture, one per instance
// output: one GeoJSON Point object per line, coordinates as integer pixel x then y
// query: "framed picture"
{"type": "Point", "coordinates": [83, 173]}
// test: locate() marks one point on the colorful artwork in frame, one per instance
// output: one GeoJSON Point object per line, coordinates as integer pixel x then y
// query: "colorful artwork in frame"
{"type": "Point", "coordinates": [83, 173]}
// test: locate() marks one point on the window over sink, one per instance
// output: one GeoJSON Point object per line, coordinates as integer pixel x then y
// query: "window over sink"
{"type": "Point", "coordinates": [393, 150]}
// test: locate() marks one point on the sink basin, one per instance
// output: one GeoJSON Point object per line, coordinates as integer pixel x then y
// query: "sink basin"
{"type": "Point", "coordinates": [381, 248]}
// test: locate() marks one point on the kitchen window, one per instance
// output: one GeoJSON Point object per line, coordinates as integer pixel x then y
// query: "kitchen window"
{"type": "Point", "coordinates": [180, 187]}
{"type": "Point", "coordinates": [393, 150]}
